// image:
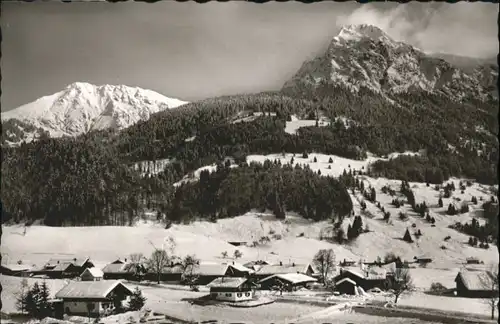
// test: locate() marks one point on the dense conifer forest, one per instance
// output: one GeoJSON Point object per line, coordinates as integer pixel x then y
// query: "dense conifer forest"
{"type": "Point", "coordinates": [89, 180]}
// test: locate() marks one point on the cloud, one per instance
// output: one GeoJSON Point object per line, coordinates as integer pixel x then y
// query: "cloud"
{"type": "Point", "coordinates": [465, 29]}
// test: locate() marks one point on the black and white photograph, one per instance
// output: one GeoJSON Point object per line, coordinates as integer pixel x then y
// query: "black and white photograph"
{"type": "Point", "coordinates": [241, 162]}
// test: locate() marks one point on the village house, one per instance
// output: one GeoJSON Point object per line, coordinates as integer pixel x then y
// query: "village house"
{"type": "Point", "coordinates": [373, 277]}
{"type": "Point", "coordinates": [208, 272]}
{"type": "Point", "coordinates": [57, 268]}
{"type": "Point", "coordinates": [92, 274]}
{"type": "Point", "coordinates": [286, 281]}
{"type": "Point", "coordinates": [18, 270]}
{"type": "Point", "coordinates": [92, 298]}
{"type": "Point", "coordinates": [231, 289]}
{"type": "Point", "coordinates": [265, 271]}
{"type": "Point", "coordinates": [118, 270]}
{"type": "Point", "coordinates": [422, 260]}
{"type": "Point", "coordinates": [238, 270]}
{"type": "Point", "coordinates": [474, 284]}
{"type": "Point", "coordinates": [252, 264]}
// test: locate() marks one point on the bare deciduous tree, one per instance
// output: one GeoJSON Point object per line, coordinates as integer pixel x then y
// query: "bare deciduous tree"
{"type": "Point", "coordinates": [324, 261]}
{"type": "Point", "coordinates": [158, 262]}
{"type": "Point", "coordinates": [189, 264]}
{"type": "Point", "coordinates": [402, 283]}
{"type": "Point", "coordinates": [489, 281]}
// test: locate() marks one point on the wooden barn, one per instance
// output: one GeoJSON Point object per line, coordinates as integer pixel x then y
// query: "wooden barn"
{"type": "Point", "coordinates": [92, 298]}
{"type": "Point", "coordinates": [118, 270]}
{"type": "Point", "coordinates": [373, 277]}
{"type": "Point", "coordinates": [207, 272]}
{"type": "Point", "coordinates": [346, 286]}
{"type": "Point", "coordinates": [18, 270]}
{"type": "Point", "coordinates": [286, 281]}
{"type": "Point", "coordinates": [475, 284]}
{"type": "Point", "coordinates": [265, 271]}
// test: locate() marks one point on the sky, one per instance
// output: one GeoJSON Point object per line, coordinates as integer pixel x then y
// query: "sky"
{"type": "Point", "coordinates": [193, 51]}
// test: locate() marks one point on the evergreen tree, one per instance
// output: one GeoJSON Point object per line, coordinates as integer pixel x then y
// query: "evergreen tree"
{"type": "Point", "coordinates": [440, 202]}
{"type": "Point", "coordinates": [373, 195]}
{"type": "Point", "coordinates": [315, 160]}
{"type": "Point", "coordinates": [330, 160]}
{"type": "Point", "coordinates": [137, 300]}
{"type": "Point", "coordinates": [407, 237]}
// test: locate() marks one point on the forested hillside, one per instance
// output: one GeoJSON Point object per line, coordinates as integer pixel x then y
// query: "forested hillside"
{"type": "Point", "coordinates": [88, 179]}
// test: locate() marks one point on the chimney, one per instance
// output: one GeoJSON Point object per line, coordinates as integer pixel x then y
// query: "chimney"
{"type": "Point", "coordinates": [125, 259]}
{"type": "Point", "coordinates": [172, 264]}
{"type": "Point", "coordinates": [233, 262]}
{"type": "Point", "coordinates": [57, 261]}
{"type": "Point", "coordinates": [293, 264]}
{"type": "Point", "coordinates": [281, 263]}
{"type": "Point", "coordinates": [74, 259]}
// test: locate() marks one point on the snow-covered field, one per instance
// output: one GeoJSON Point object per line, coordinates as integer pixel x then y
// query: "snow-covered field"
{"type": "Point", "coordinates": [299, 238]}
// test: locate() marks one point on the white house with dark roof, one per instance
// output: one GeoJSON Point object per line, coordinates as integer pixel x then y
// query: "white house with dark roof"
{"type": "Point", "coordinates": [231, 289]}
{"type": "Point", "coordinates": [92, 297]}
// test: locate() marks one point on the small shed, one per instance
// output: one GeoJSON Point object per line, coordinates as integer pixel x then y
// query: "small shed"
{"type": "Point", "coordinates": [346, 286]}
{"type": "Point", "coordinates": [92, 298]}
{"type": "Point", "coordinates": [475, 284]}
{"type": "Point", "coordinates": [231, 289]}
{"type": "Point", "coordinates": [290, 281]}
{"type": "Point", "coordinates": [92, 274]}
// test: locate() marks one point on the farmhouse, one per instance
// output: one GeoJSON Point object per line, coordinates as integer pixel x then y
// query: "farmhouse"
{"type": "Point", "coordinates": [231, 289]}
{"type": "Point", "coordinates": [208, 272]}
{"type": "Point", "coordinates": [65, 267]}
{"type": "Point", "coordinates": [92, 274]}
{"type": "Point", "coordinates": [238, 270]}
{"type": "Point", "coordinates": [288, 281]}
{"type": "Point", "coordinates": [118, 270]}
{"type": "Point", "coordinates": [475, 284]}
{"type": "Point", "coordinates": [92, 297]}
{"type": "Point", "coordinates": [19, 270]}
{"type": "Point", "coordinates": [373, 277]}
{"type": "Point", "coordinates": [265, 271]}
{"type": "Point", "coordinates": [347, 263]}
{"type": "Point", "coordinates": [346, 286]}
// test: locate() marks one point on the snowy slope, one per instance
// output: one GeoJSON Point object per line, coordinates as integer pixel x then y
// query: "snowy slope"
{"type": "Point", "coordinates": [82, 107]}
{"type": "Point", "coordinates": [365, 56]}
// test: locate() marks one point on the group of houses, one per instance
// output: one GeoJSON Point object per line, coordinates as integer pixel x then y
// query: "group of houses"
{"type": "Point", "coordinates": [98, 291]}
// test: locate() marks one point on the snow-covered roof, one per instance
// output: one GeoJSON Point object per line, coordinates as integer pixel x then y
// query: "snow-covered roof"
{"type": "Point", "coordinates": [225, 282]}
{"type": "Point", "coordinates": [116, 268]}
{"type": "Point", "coordinates": [95, 272]}
{"type": "Point", "coordinates": [211, 269]}
{"type": "Point", "coordinates": [241, 268]}
{"type": "Point", "coordinates": [89, 289]}
{"type": "Point", "coordinates": [475, 280]}
{"type": "Point", "coordinates": [293, 278]}
{"type": "Point", "coordinates": [62, 266]}
{"type": "Point", "coordinates": [76, 261]}
{"type": "Point", "coordinates": [346, 280]}
{"type": "Point", "coordinates": [16, 267]}
{"type": "Point", "coordinates": [277, 269]}
{"type": "Point", "coordinates": [355, 271]}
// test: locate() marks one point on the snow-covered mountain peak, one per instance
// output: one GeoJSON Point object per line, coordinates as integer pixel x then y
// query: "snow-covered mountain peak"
{"type": "Point", "coordinates": [82, 107]}
{"type": "Point", "coordinates": [362, 31]}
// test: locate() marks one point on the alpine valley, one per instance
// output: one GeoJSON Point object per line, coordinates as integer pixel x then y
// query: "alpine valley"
{"type": "Point", "coordinates": [373, 150]}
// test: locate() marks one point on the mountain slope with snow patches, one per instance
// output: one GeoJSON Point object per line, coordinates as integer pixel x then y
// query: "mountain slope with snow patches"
{"type": "Point", "coordinates": [82, 107]}
{"type": "Point", "coordinates": [365, 56]}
